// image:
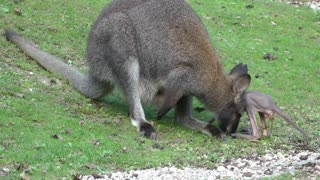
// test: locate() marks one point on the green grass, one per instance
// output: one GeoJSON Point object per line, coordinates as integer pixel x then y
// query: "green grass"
{"type": "Point", "coordinates": [100, 133]}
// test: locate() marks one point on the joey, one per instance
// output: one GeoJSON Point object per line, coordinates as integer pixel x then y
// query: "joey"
{"type": "Point", "coordinates": [255, 102]}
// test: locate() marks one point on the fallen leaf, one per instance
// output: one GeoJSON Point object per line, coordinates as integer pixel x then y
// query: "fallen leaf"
{"type": "Point", "coordinates": [37, 122]}
{"type": "Point", "coordinates": [96, 142]}
{"type": "Point", "coordinates": [116, 120]}
{"type": "Point", "coordinates": [91, 166]}
{"type": "Point", "coordinates": [67, 131]}
{"type": "Point", "coordinates": [250, 6]}
{"type": "Point", "coordinates": [106, 122]}
{"type": "Point", "coordinates": [24, 176]}
{"type": "Point", "coordinates": [56, 136]}
{"type": "Point", "coordinates": [270, 56]}
{"type": "Point", "coordinates": [17, 11]}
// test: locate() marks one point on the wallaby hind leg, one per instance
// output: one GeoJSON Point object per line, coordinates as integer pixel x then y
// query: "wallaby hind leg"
{"type": "Point", "coordinates": [129, 81]}
{"type": "Point", "coordinates": [253, 122]}
{"type": "Point", "coordinates": [183, 112]}
{"type": "Point", "coordinates": [113, 56]}
{"type": "Point", "coordinates": [265, 131]}
{"type": "Point", "coordinates": [137, 116]}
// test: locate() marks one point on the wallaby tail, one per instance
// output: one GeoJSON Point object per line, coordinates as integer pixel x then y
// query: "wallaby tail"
{"type": "Point", "coordinates": [88, 86]}
{"type": "Point", "coordinates": [292, 123]}
{"type": "Point", "coordinates": [49, 62]}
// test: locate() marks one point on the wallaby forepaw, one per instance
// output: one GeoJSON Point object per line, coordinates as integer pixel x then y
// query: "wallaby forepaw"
{"type": "Point", "coordinates": [245, 136]}
{"type": "Point", "coordinates": [147, 130]}
{"type": "Point", "coordinates": [247, 131]}
{"type": "Point", "coordinates": [215, 132]}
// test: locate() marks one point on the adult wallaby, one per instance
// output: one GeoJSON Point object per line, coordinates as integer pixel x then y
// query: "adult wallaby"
{"type": "Point", "coordinates": [150, 48]}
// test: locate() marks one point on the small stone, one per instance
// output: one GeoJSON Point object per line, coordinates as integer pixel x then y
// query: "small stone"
{"type": "Point", "coordinates": [268, 172]}
{"type": "Point", "coordinates": [5, 170]}
{"type": "Point", "coordinates": [109, 175]}
{"type": "Point", "coordinates": [310, 164]}
{"type": "Point", "coordinates": [135, 175]}
{"type": "Point", "coordinates": [247, 174]}
{"type": "Point", "coordinates": [97, 176]}
{"type": "Point", "coordinates": [303, 157]}
{"type": "Point", "coordinates": [19, 95]}
{"type": "Point", "coordinates": [221, 168]}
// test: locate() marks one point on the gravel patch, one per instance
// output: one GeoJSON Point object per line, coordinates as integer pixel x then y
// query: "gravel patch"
{"type": "Point", "coordinates": [315, 4]}
{"type": "Point", "coordinates": [251, 167]}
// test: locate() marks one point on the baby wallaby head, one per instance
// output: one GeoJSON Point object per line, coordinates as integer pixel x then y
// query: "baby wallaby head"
{"type": "Point", "coordinates": [240, 82]}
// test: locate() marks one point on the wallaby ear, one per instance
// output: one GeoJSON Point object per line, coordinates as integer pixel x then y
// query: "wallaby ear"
{"type": "Point", "coordinates": [238, 70]}
{"type": "Point", "coordinates": [240, 85]}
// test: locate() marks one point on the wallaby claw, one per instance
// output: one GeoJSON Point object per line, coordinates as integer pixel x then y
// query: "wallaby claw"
{"type": "Point", "coordinates": [246, 136]}
{"type": "Point", "coordinates": [215, 132]}
{"type": "Point", "coordinates": [247, 131]}
{"type": "Point", "coordinates": [147, 130]}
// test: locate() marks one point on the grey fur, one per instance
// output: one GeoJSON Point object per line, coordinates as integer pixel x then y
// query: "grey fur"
{"type": "Point", "coordinates": [150, 48]}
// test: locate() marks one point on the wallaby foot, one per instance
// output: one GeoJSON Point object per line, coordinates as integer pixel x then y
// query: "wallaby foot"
{"type": "Point", "coordinates": [214, 132]}
{"type": "Point", "coordinates": [147, 130]}
{"type": "Point", "coordinates": [246, 136]}
{"type": "Point", "coordinates": [184, 117]}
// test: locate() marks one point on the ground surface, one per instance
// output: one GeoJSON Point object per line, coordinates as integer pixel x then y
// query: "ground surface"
{"type": "Point", "coordinates": [252, 167]}
{"type": "Point", "coordinates": [48, 130]}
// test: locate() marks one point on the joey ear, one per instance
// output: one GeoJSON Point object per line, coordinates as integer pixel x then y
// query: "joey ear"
{"type": "Point", "coordinates": [238, 70]}
{"type": "Point", "coordinates": [240, 85]}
